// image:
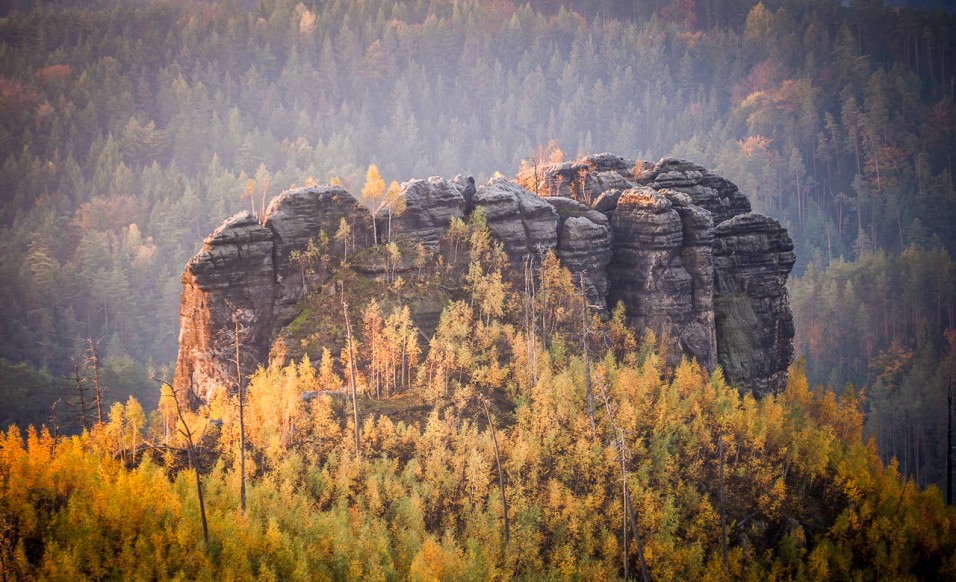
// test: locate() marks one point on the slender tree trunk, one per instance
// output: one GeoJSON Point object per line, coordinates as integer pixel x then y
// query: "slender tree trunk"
{"type": "Point", "coordinates": [242, 425]}
{"type": "Point", "coordinates": [191, 454]}
{"type": "Point", "coordinates": [81, 394]}
{"type": "Point", "coordinates": [94, 362]}
{"type": "Point", "coordinates": [584, 351]}
{"type": "Point", "coordinates": [624, 501]}
{"type": "Point", "coordinates": [348, 336]}
{"type": "Point", "coordinates": [629, 509]}
{"type": "Point", "coordinates": [501, 474]}
{"type": "Point", "coordinates": [723, 508]}
{"type": "Point", "coordinates": [202, 504]}
{"type": "Point", "coordinates": [56, 424]}
{"type": "Point", "coordinates": [949, 442]}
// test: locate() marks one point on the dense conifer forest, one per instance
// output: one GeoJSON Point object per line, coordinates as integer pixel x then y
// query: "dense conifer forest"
{"type": "Point", "coordinates": [129, 129]}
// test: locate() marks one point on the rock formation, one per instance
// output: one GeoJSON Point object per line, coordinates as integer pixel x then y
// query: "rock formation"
{"type": "Point", "coordinates": [584, 246]}
{"type": "Point", "coordinates": [243, 278]}
{"type": "Point", "coordinates": [524, 223]}
{"type": "Point", "coordinates": [676, 243]}
{"type": "Point", "coordinates": [650, 273]}
{"type": "Point", "coordinates": [429, 207]}
{"type": "Point", "coordinates": [753, 256]}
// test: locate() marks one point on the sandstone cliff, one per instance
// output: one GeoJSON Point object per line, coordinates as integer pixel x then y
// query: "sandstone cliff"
{"type": "Point", "coordinates": [676, 243]}
{"type": "Point", "coordinates": [243, 280]}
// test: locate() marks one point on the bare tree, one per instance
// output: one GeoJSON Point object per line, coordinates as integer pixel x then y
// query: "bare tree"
{"type": "Point", "coordinates": [621, 446]}
{"type": "Point", "coordinates": [194, 461]}
{"type": "Point", "coordinates": [723, 507]}
{"type": "Point", "coordinates": [55, 422]}
{"type": "Point", "coordinates": [352, 371]}
{"type": "Point", "coordinates": [585, 329]}
{"type": "Point", "coordinates": [79, 387]}
{"type": "Point", "coordinates": [93, 363]}
{"type": "Point", "coordinates": [949, 442]}
{"type": "Point", "coordinates": [242, 419]}
{"type": "Point", "coordinates": [530, 319]}
{"type": "Point", "coordinates": [234, 336]}
{"type": "Point", "coordinates": [501, 474]}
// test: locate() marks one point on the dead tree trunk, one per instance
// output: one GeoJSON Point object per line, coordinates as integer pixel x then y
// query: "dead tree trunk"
{"type": "Point", "coordinates": [93, 361]}
{"type": "Point", "coordinates": [242, 423]}
{"type": "Point", "coordinates": [723, 507]}
{"type": "Point", "coordinates": [501, 474]}
{"type": "Point", "coordinates": [348, 337]}
{"type": "Point", "coordinates": [584, 351]}
{"type": "Point", "coordinates": [194, 461]}
{"type": "Point", "coordinates": [79, 387]}
{"type": "Point", "coordinates": [628, 508]}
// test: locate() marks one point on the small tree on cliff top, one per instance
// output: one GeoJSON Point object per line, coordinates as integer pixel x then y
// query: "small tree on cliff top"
{"type": "Point", "coordinates": [374, 195]}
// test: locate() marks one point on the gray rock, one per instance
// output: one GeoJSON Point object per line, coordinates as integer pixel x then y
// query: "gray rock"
{"type": "Point", "coordinates": [295, 216]}
{"type": "Point", "coordinates": [713, 193]}
{"type": "Point", "coordinates": [524, 223]}
{"type": "Point", "coordinates": [586, 179]}
{"type": "Point", "coordinates": [232, 278]}
{"type": "Point", "coordinates": [584, 247]}
{"type": "Point", "coordinates": [646, 270]}
{"type": "Point", "coordinates": [753, 256]}
{"type": "Point", "coordinates": [697, 226]}
{"type": "Point", "coordinates": [676, 243]}
{"type": "Point", "coordinates": [607, 201]}
{"type": "Point", "coordinates": [430, 206]}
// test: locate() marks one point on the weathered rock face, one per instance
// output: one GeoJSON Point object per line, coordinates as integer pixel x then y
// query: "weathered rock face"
{"type": "Point", "coordinates": [231, 279]}
{"type": "Point", "coordinates": [706, 189]}
{"type": "Point", "coordinates": [753, 256]}
{"type": "Point", "coordinates": [294, 217]}
{"type": "Point", "coordinates": [430, 206]}
{"type": "Point", "coordinates": [588, 178]}
{"type": "Point", "coordinates": [648, 271]}
{"type": "Point", "coordinates": [524, 223]}
{"type": "Point", "coordinates": [676, 243]}
{"type": "Point", "coordinates": [584, 247]}
{"type": "Point", "coordinates": [244, 275]}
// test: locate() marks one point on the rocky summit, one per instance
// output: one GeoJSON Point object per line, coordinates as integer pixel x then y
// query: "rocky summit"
{"type": "Point", "coordinates": [677, 244]}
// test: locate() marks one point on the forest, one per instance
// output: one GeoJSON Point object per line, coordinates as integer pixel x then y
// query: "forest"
{"type": "Point", "coordinates": [129, 129]}
{"type": "Point", "coordinates": [578, 455]}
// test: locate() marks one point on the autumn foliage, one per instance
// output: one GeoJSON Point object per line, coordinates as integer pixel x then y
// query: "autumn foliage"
{"type": "Point", "coordinates": [803, 497]}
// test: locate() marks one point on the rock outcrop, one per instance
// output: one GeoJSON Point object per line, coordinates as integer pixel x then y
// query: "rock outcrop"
{"type": "Point", "coordinates": [294, 217]}
{"type": "Point", "coordinates": [676, 243]}
{"type": "Point", "coordinates": [753, 256]}
{"type": "Point", "coordinates": [648, 271]}
{"type": "Point", "coordinates": [244, 280]}
{"type": "Point", "coordinates": [584, 247]}
{"type": "Point", "coordinates": [430, 206]}
{"type": "Point", "coordinates": [524, 223]}
{"type": "Point", "coordinates": [713, 193]}
{"type": "Point", "coordinates": [586, 179]}
{"type": "Point", "coordinates": [230, 281]}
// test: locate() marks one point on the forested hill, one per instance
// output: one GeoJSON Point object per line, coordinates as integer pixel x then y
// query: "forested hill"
{"type": "Point", "coordinates": [129, 129]}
